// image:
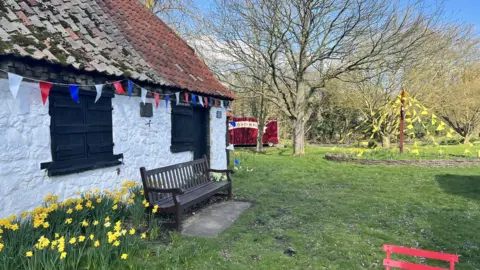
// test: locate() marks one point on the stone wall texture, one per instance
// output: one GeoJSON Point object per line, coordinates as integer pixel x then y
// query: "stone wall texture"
{"type": "Point", "coordinates": [25, 143]}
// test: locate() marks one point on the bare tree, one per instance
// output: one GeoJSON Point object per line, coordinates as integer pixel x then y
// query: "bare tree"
{"type": "Point", "coordinates": [180, 15]}
{"type": "Point", "coordinates": [302, 44]}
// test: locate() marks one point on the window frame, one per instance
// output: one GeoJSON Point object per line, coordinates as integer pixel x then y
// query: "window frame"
{"type": "Point", "coordinates": [59, 166]}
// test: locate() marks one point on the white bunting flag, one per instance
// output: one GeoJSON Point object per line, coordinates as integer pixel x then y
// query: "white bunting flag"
{"type": "Point", "coordinates": [177, 97]}
{"type": "Point", "coordinates": [14, 81]}
{"type": "Point", "coordinates": [99, 88]}
{"type": "Point", "coordinates": [230, 147]}
{"type": "Point", "coordinates": [200, 99]}
{"type": "Point", "coordinates": [144, 96]}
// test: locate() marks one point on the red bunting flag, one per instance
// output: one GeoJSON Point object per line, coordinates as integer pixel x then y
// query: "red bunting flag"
{"type": "Point", "coordinates": [157, 99]}
{"type": "Point", "coordinates": [186, 97]}
{"type": "Point", "coordinates": [205, 102]}
{"type": "Point", "coordinates": [118, 87]}
{"type": "Point", "coordinates": [45, 90]}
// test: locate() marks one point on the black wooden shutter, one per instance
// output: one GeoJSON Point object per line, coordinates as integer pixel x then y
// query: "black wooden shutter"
{"type": "Point", "coordinates": [67, 128]}
{"type": "Point", "coordinates": [182, 129]}
{"type": "Point", "coordinates": [81, 133]}
{"type": "Point", "coordinates": [99, 128]}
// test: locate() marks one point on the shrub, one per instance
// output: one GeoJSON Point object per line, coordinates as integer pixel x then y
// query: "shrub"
{"type": "Point", "coordinates": [95, 231]}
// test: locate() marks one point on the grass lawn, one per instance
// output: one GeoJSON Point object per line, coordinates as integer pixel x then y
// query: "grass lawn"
{"type": "Point", "coordinates": [335, 216]}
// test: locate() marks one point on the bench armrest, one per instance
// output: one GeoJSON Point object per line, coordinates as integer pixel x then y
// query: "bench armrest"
{"type": "Point", "coordinates": [178, 191]}
{"type": "Point", "coordinates": [221, 171]}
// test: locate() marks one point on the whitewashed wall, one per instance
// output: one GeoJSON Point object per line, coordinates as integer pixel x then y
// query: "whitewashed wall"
{"type": "Point", "coordinates": [25, 143]}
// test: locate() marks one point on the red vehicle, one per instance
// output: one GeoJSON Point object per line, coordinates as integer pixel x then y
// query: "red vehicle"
{"type": "Point", "coordinates": [244, 130]}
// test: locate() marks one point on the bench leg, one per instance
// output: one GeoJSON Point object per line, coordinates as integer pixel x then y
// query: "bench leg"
{"type": "Point", "coordinates": [178, 219]}
{"type": "Point", "coordinates": [230, 193]}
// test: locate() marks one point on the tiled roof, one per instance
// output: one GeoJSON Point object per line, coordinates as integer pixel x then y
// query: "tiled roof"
{"type": "Point", "coordinates": [167, 53]}
{"type": "Point", "coordinates": [117, 37]}
{"type": "Point", "coordinates": [72, 32]}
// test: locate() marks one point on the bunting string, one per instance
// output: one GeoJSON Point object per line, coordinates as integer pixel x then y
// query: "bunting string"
{"type": "Point", "coordinates": [14, 81]}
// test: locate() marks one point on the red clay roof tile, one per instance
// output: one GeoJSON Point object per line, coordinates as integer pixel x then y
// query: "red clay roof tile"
{"type": "Point", "coordinates": [162, 47]}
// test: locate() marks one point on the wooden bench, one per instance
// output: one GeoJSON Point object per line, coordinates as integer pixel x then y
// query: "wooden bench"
{"type": "Point", "coordinates": [177, 187]}
{"type": "Point", "coordinates": [388, 262]}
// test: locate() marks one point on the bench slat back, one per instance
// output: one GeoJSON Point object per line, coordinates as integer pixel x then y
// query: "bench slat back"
{"type": "Point", "coordinates": [388, 262]}
{"type": "Point", "coordinates": [185, 175]}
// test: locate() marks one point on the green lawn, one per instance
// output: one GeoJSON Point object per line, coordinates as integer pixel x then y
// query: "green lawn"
{"type": "Point", "coordinates": [335, 216]}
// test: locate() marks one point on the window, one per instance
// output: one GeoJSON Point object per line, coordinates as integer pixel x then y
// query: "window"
{"type": "Point", "coordinates": [182, 129]}
{"type": "Point", "coordinates": [81, 133]}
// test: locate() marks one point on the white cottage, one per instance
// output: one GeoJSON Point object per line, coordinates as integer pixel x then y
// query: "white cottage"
{"type": "Point", "coordinates": [80, 135]}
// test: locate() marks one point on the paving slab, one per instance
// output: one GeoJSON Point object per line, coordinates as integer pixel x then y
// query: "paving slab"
{"type": "Point", "coordinates": [214, 219]}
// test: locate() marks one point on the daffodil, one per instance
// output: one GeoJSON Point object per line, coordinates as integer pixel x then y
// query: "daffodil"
{"type": "Point", "coordinates": [63, 255]}
{"type": "Point", "coordinates": [68, 221]}
{"type": "Point", "coordinates": [1, 247]}
{"type": "Point", "coordinates": [97, 243]}
{"type": "Point", "coordinates": [116, 243]}
{"type": "Point", "coordinates": [69, 211]}
{"type": "Point", "coordinates": [95, 223]}
{"type": "Point", "coordinates": [29, 254]}
{"type": "Point", "coordinates": [107, 219]}
{"type": "Point", "coordinates": [107, 224]}
{"type": "Point", "coordinates": [124, 256]}
{"type": "Point", "coordinates": [143, 236]}
{"type": "Point", "coordinates": [132, 231]}
{"type": "Point", "coordinates": [78, 207]}
{"type": "Point", "coordinates": [46, 225]}
{"type": "Point", "coordinates": [81, 238]}
{"type": "Point", "coordinates": [84, 223]}
{"type": "Point", "coordinates": [115, 207]}
{"type": "Point", "coordinates": [57, 235]}
{"type": "Point", "coordinates": [99, 200]}
{"type": "Point", "coordinates": [73, 240]}
{"type": "Point", "coordinates": [91, 236]}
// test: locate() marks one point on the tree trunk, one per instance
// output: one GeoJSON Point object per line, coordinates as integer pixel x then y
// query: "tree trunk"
{"type": "Point", "coordinates": [466, 139]}
{"type": "Point", "coordinates": [386, 142]}
{"type": "Point", "coordinates": [298, 137]}
{"type": "Point", "coordinates": [260, 136]}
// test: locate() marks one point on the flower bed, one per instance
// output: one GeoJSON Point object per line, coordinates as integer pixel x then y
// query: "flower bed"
{"type": "Point", "coordinates": [95, 231]}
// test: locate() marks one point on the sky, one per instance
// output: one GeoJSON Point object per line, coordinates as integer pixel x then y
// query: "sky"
{"type": "Point", "coordinates": [466, 11]}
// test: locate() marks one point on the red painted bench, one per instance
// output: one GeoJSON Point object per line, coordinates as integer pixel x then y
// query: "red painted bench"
{"type": "Point", "coordinates": [388, 262]}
